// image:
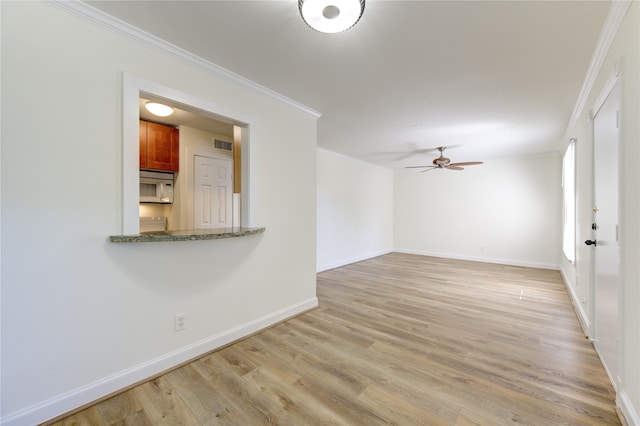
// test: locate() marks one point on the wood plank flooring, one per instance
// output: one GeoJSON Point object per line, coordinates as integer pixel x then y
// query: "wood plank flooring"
{"type": "Point", "coordinates": [399, 339]}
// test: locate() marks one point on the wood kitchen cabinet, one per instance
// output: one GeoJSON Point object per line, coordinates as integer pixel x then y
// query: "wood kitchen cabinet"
{"type": "Point", "coordinates": [159, 145]}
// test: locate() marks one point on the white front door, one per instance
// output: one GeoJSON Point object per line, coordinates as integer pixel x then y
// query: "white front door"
{"type": "Point", "coordinates": [605, 232]}
{"type": "Point", "coordinates": [213, 190]}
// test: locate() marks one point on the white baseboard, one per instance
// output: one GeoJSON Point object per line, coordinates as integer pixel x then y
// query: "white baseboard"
{"type": "Point", "coordinates": [344, 262]}
{"type": "Point", "coordinates": [577, 306]}
{"type": "Point", "coordinates": [482, 259]}
{"type": "Point", "coordinates": [84, 395]}
{"type": "Point", "coordinates": [628, 411]}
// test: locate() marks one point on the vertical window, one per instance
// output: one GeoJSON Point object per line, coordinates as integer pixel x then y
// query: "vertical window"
{"type": "Point", "coordinates": [569, 202]}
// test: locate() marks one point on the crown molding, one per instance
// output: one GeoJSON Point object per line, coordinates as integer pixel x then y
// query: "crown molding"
{"type": "Point", "coordinates": [117, 26]}
{"type": "Point", "coordinates": [612, 24]}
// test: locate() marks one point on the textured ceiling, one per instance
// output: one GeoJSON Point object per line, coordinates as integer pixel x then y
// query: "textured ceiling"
{"type": "Point", "coordinates": [487, 78]}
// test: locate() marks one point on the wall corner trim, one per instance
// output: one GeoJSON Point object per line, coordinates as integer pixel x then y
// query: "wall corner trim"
{"type": "Point", "coordinates": [91, 392]}
{"type": "Point", "coordinates": [126, 30]}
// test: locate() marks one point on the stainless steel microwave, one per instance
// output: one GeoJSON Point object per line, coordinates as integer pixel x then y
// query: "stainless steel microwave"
{"type": "Point", "coordinates": [156, 187]}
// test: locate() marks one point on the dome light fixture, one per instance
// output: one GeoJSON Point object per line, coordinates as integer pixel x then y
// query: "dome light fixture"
{"type": "Point", "coordinates": [331, 16]}
{"type": "Point", "coordinates": [161, 110]}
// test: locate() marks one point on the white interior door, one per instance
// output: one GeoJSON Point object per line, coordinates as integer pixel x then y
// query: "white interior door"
{"type": "Point", "coordinates": [605, 232]}
{"type": "Point", "coordinates": [213, 189]}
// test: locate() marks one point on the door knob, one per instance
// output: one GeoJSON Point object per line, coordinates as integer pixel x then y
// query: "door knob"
{"type": "Point", "coordinates": [591, 242]}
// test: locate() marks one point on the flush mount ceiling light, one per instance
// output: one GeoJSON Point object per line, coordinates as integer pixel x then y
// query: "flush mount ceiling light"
{"type": "Point", "coordinates": [331, 16]}
{"type": "Point", "coordinates": [160, 110]}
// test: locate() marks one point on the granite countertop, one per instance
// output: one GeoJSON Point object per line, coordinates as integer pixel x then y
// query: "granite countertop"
{"type": "Point", "coordinates": [186, 235]}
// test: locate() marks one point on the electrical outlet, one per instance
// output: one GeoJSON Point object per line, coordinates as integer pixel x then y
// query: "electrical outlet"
{"type": "Point", "coordinates": [179, 322]}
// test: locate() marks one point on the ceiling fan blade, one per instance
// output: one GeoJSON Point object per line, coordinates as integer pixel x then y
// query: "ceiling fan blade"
{"type": "Point", "coordinates": [467, 163]}
{"type": "Point", "coordinates": [444, 163]}
{"type": "Point", "coordinates": [406, 155]}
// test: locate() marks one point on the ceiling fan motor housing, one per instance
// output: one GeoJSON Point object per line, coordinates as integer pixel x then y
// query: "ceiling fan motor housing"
{"type": "Point", "coordinates": [441, 161]}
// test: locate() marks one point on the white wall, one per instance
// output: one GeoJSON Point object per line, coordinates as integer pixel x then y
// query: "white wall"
{"type": "Point", "coordinates": [355, 210]}
{"type": "Point", "coordinates": [82, 317]}
{"type": "Point", "coordinates": [625, 51]}
{"type": "Point", "coordinates": [504, 211]}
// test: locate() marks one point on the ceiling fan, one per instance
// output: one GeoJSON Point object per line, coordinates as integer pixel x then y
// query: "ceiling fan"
{"type": "Point", "coordinates": [443, 162]}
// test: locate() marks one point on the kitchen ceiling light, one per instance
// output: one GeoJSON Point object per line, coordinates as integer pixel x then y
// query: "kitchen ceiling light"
{"type": "Point", "coordinates": [160, 110]}
{"type": "Point", "coordinates": [331, 16]}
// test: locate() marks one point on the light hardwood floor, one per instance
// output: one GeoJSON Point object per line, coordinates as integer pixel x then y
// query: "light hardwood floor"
{"type": "Point", "coordinates": [399, 339]}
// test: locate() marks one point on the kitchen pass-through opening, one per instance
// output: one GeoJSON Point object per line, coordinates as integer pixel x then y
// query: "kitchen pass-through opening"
{"type": "Point", "coordinates": [199, 120]}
